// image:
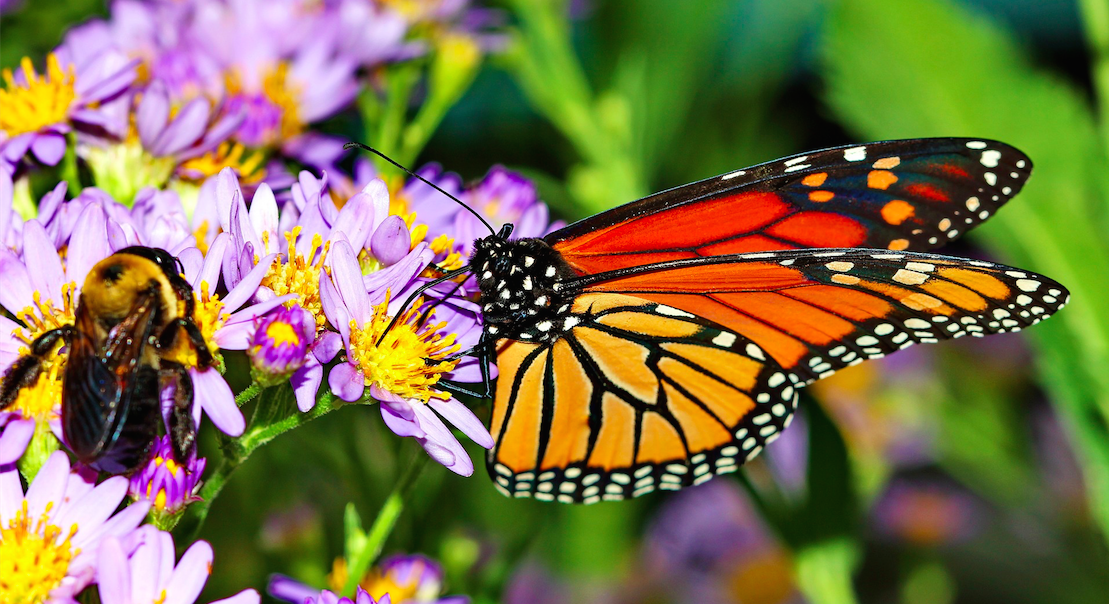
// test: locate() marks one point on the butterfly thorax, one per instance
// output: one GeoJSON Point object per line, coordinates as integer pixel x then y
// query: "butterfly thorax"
{"type": "Point", "coordinates": [520, 295]}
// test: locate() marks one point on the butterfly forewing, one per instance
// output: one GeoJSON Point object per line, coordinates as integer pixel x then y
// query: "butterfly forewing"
{"type": "Point", "coordinates": [816, 311]}
{"type": "Point", "coordinates": [911, 194]}
{"type": "Point", "coordinates": [634, 396]}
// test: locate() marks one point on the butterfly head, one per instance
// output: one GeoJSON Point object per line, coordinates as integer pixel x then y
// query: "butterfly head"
{"type": "Point", "coordinates": [519, 280]}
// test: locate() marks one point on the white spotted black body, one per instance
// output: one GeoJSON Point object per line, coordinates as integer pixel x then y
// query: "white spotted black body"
{"type": "Point", "coordinates": [520, 283]}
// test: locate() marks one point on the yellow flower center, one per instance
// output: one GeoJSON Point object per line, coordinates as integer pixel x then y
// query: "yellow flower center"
{"type": "Point", "coordinates": [280, 332]}
{"type": "Point", "coordinates": [227, 155]}
{"type": "Point", "coordinates": [299, 274]}
{"type": "Point", "coordinates": [209, 317]}
{"type": "Point", "coordinates": [408, 359]}
{"type": "Point", "coordinates": [40, 102]}
{"type": "Point", "coordinates": [172, 467]}
{"type": "Point", "coordinates": [123, 169]}
{"type": "Point", "coordinates": [280, 90]}
{"type": "Point", "coordinates": [34, 558]}
{"type": "Point", "coordinates": [42, 399]}
{"type": "Point", "coordinates": [445, 245]}
{"type": "Point", "coordinates": [377, 584]}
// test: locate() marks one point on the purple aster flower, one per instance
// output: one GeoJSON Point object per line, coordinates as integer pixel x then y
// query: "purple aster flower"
{"type": "Point", "coordinates": [169, 486]}
{"type": "Point", "coordinates": [707, 544]}
{"type": "Point", "coordinates": [141, 569]}
{"type": "Point", "coordinates": [503, 196]}
{"type": "Point", "coordinates": [927, 513]}
{"type": "Point", "coordinates": [37, 111]}
{"type": "Point", "coordinates": [41, 295]}
{"type": "Point", "coordinates": [54, 530]}
{"type": "Point", "coordinates": [400, 366]}
{"type": "Point", "coordinates": [280, 343]}
{"type": "Point", "coordinates": [400, 579]}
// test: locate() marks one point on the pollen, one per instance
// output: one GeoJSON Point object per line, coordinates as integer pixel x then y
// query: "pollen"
{"type": "Point", "coordinates": [249, 167]}
{"type": "Point", "coordinates": [279, 95]}
{"type": "Point", "coordinates": [42, 399]}
{"type": "Point", "coordinates": [282, 333]}
{"type": "Point", "coordinates": [406, 360]}
{"type": "Point", "coordinates": [300, 274]}
{"type": "Point", "coordinates": [209, 317]}
{"type": "Point", "coordinates": [40, 101]}
{"type": "Point", "coordinates": [34, 557]}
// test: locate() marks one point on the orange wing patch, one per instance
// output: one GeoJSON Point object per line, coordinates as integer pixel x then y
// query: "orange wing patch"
{"type": "Point", "coordinates": [636, 397]}
{"type": "Point", "coordinates": [816, 311]}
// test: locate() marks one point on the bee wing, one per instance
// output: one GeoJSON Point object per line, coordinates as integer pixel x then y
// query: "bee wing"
{"type": "Point", "coordinates": [103, 386]}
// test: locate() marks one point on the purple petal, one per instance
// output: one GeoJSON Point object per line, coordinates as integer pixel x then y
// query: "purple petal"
{"type": "Point", "coordinates": [89, 243]}
{"type": "Point", "coordinates": [463, 419]}
{"type": "Point", "coordinates": [49, 484]}
{"type": "Point", "coordinates": [49, 148]}
{"type": "Point", "coordinates": [263, 216]}
{"type": "Point", "coordinates": [289, 589]}
{"type": "Point", "coordinates": [11, 494]}
{"type": "Point", "coordinates": [306, 383]}
{"type": "Point", "coordinates": [185, 129]}
{"type": "Point", "coordinates": [113, 574]}
{"type": "Point", "coordinates": [191, 259]}
{"type": "Point", "coordinates": [246, 596]}
{"type": "Point", "coordinates": [217, 400]}
{"type": "Point", "coordinates": [347, 274]}
{"type": "Point", "coordinates": [347, 382]}
{"type": "Point", "coordinates": [190, 575]}
{"type": "Point", "coordinates": [333, 307]}
{"type": "Point", "coordinates": [15, 283]}
{"type": "Point", "coordinates": [245, 289]}
{"type": "Point", "coordinates": [94, 508]}
{"type": "Point", "coordinates": [48, 276]}
{"type": "Point", "coordinates": [213, 261]}
{"type": "Point", "coordinates": [391, 241]}
{"type": "Point", "coordinates": [400, 418]}
{"type": "Point", "coordinates": [327, 346]}
{"type": "Point", "coordinates": [440, 444]}
{"type": "Point", "coordinates": [152, 113]}
{"type": "Point", "coordinates": [356, 221]}
{"type": "Point", "coordinates": [14, 439]}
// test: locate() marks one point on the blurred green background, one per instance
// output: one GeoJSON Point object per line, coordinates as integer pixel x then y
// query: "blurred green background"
{"type": "Point", "coordinates": [968, 472]}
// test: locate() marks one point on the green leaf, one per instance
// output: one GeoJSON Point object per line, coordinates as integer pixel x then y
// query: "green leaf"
{"type": "Point", "coordinates": [934, 68]}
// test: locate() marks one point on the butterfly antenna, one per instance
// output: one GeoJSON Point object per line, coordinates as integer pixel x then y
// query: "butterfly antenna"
{"type": "Point", "coordinates": [422, 179]}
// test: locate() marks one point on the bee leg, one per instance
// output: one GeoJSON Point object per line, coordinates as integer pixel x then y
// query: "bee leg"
{"type": "Point", "coordinates": [26, 369]}
{"type": "Point", "coordinates": [182, 428]}
{"type": "Point", "coordinates": [168, 337]}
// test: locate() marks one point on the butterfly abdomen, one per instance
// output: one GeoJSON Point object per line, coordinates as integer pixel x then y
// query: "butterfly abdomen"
{"type": "Point", "coordinates": [520, 296]}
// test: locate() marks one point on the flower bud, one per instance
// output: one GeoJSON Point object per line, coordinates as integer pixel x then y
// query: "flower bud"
{"type": "Point", "coordinates": [280, 344]}
{"type": "Point", "coordinates": [391, 242]}
{"type": "Point", "coordinates": [168, 485]}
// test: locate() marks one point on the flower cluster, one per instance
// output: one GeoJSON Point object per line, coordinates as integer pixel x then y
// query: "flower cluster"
{"type": "Point", "coordinates": [188, 127]}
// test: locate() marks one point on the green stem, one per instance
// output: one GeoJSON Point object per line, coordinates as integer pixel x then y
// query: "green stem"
{"type": "Point", "coordinates": [264, 427]}
{"type": "Point", "coordinates": [248, 394]}
{"type": "Point", "coordinates": [383, 525]}
{"type": "Point", "coordinates": [824, 571]}
{"type": "Point", "coordinates": [70, 174]}
{"type": "Point", "coordinates": [1095, 18]}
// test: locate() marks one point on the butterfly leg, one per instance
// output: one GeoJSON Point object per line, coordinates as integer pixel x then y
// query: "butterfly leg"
{"type": "Point", "coordinates": [26, 370]}
{"type": "Point", "coordinates": [182, 428]}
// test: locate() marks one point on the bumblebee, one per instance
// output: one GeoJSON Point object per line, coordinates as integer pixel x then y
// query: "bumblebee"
{"type": "Point", "coordinates": [133, 318]}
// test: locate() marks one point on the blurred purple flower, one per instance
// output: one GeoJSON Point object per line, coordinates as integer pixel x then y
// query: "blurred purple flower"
{"type": "Point", "coordinates": [36, 111]}
{"type": "Point", "coordinates": [399, 579]}
{"type": "Point", "coordinates": [708, 545]}
{"type": "Point", "coordinates": [54, 530]}
{"type": "Point", "coordinates": [503, 196]}
{"type": "Point", "coordinates": [927, 513]}
{"type": "Point", "coordinates": [166, 484]}
{"type": "Point", "coordinates": [142, 569]}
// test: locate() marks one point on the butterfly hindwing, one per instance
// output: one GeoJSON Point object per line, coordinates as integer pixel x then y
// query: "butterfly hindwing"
{"type": "Point", "coordinates": [636, 396]}
{"type": "Point", "coordinates": [900, 195]}
{"type": "Point", "coordinates": [816, 311]}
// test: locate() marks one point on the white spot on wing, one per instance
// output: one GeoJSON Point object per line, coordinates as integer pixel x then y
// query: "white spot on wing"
{"type": "Point", "coordinates": [854, 154]}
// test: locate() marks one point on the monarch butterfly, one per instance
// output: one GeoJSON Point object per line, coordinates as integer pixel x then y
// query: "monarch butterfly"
{"type": "Point", "coordinates": [661, 343]}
